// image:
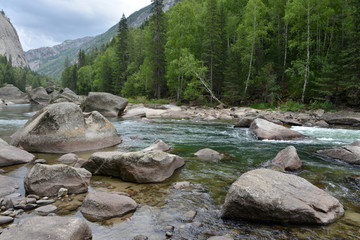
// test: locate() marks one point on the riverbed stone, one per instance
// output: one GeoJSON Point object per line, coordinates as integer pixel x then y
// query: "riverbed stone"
{"type": "Point", "coordinates": [342, 118]}
{"type": "Point", "coordinates": [8, 185]}
{"type": "Point", "coordinates": [287, 159]}
{"type": "Point", "coordinates": [107, 104]}
{"type": "Point", "coordinates": [63, 128]}
{"type": "Point", "coordinates": [46, 210]}
{"type": "Point", "coordinates": [264, 129]}
{"type": "Point", "coordinates": [271, 196]}
{"type": "Point", "coordinates": [68, 158]}
{"type": "Point", "coordinates": [244, 122]}
{"type": "Point", "coordinates": [10, 155]}
{"type": "Point", "coordinates": [105, 205]}
{"type": "Point", "coordinates": [39, 96]}
{"type": "Point", "coordinates": [46, 180]}
{"type": "Point", "coordinates": [220, 238]}
{"type": "Point", "coordinates": [349, 153]}
{"type": "Point", "coordinates": [10, 93]}
{"type": "Point", "coordinates": [209, 154]}
{"type": "Point", "coordinates": [140, 167]}
{"type": "Point", "coordinates": [5, 220]}
{"type": "Point", "coordinates": [189, 216]}
{"type": "Point", "coordinates": [158, 145]}
{"type": "Point", "coordinates": [54, 227]}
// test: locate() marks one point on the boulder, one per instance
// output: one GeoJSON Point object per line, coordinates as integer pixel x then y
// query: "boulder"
{"type": "Point", "coordinates": [287, 159]}
{"type": "Point", "coordinates": [271, 196]}
{"type": "Point", "coordinates": [10, 93]}
{"type": "Point", "coordinates": [8, 185]}
{"type": "Point", "coordinates": [140, 167]}
{"type": "Point", "coordinates": [349, 153]}
{"type": "Point", "coordinates": [55, 227]}
{"type": "Point", "coordinates": [158, 145]}
{"type": "Point", "coordinates": [342, 118]}
{"type": "Point", "coordinates": [63, 128]}
{"type": "Point", "coordinates": [244, 122]}
{"type": "Point", "coordinates": [10, 155]}
{"type": "Point", "coordinates": [46, 180]}
{"type": "Point", "coordinates": [68, 158]}
{"type": "Point", "coordinates": [39, 96]}
{"type": "Point", "coordinates": [5, 220]}
{"type": "Point", "coordinates": [264, 129]}
{"type": "Point", "coordinates": [103, 205]}
{"type": "Point", "coordinates": [107, 104]}
{"type": "Point", "coordinates": [209, 154]}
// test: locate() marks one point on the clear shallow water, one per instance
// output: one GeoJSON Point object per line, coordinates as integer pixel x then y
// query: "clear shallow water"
{"type": "Point", "coordinates": [161, 205]}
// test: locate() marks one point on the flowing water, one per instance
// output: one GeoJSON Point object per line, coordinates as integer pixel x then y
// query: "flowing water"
{"type": "Point", "coordinates": [162, 205]}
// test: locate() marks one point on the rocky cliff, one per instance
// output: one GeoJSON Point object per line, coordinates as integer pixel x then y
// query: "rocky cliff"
{"type": "Point", "coordinates": [50, 60]}
{"type": "Point", "coordinates": [10, 45]}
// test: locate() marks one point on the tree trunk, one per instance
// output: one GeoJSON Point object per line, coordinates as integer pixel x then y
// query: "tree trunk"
{"type": "Point", "coordinates": [208, 89]}
{"type": "Point", "coordinates": [285, 52]}
{"type": "Point", "coordinates": [307, 67]}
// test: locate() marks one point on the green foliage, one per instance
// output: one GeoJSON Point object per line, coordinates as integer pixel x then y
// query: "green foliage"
{"type": "Point", "coordinates": [292, 106]}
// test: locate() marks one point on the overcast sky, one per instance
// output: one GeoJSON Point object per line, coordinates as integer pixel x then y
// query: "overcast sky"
{"type": "Point", "coordinates": [42, 23]}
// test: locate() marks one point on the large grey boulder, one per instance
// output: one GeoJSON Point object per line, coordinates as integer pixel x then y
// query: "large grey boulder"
{"type": "Point", "coordinates": [46, 180]}
{"type": "Point", "coordinates": [264, 129]}
{"type": "Point", "coordinates": [63, 128]}
{"type": "Point", "coordinates": [140, 167]}
{"type": "Point", "coordinates": [267, 195]}
{"type": "Point", "coordinates": [342, 118]}
{"type": "Point", "coordinates": [8, 185]}
{"type": "Point", "coordinates": [103, 205]}
{"type": "Point", "coordinates": [287, 159]}
{"type": "Point", "coordinates": [349, 153]}
{"type": "Point", "coordinates": [107, 104]}
{"type": "Point", "coordinates": [66, 95]}
{"type": "Point", "coordinates": [55, 228]}
{"type": "Point", "coordinates": [39, 96]}
{"type": "Point", "coordinates": [10, 93]}
{"type": "Point", "coordinates": [10, 155]}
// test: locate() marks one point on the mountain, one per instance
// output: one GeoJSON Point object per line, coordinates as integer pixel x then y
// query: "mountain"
{"type": "Point", "coordinates": [50, 60]}
{"type": "Point", "coordinates": [10, 45]}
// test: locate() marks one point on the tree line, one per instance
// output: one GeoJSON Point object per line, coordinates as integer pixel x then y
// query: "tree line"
{"type": "Point", "coordinates": [19, 77]}
{"type": "Point", "coordinates": [238, 51]}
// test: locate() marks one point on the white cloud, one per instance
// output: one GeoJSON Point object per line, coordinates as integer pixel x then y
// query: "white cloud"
{"type": "Point", "coordinates": [48, 22]}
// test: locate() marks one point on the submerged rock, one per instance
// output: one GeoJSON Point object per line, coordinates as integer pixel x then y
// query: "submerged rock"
{"type": "Point", "coordinates": [68, 158]}
{"type": "Point", "coordinates": [63, 128]}
{"type": "Point", "coordinates": [158, 145]}
{"type": "Point", "coordinates": [287, 159]}
{"type": "Point", "coordinates": [47, 180]}
{"type": "Point", "coordinates": [10, 155]}
{"type": "Point", "coordinates": [209, 154]}
{"type": "Point", "coordinates": [59, 228]}
{"type": "Point", "coordinates": [267, 195]}
{"type": "Point", "coordinates": [349, 153]}
{"type": "Point", "coordinates": [140, 167]}
{"type": "Point", "coordinates": [104, 205]}
{"type": "Point", "coordinates": [7, 185]}
{"type": "Point", "coordinates": [107, 104]}
{"type": "Point", "coordinates": [264, 129]}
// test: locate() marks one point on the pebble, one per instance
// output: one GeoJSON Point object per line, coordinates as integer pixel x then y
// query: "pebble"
{"type": "Point", "coordinates": [62, 192]}
{"type": "Point", "coordinates": [2, 171]}
{"type": "Point", "coordinates": [189, 216]}
{"type": "Point", "coordinates": [31, 200]}
{"type": "Point", "coordinates": [40, 161]}
{"type": "Point", "coordinates": [44, 202]}
{"type": "Point", "coordinates": [169, 228]}
{"type": "Point", "coordinates": [5, 220]}
{"type": "Point", "coordinates": [168, 234]}
{"type": "Point", "coordinates": [46, 210]}
{"type": "Point", "coordinates": [33, 196]}
{"type": "Point", "coordinates": [140, 237]}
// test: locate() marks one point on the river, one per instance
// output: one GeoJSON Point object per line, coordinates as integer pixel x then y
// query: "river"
{"type": "Point", "coordinates": [162, 205]}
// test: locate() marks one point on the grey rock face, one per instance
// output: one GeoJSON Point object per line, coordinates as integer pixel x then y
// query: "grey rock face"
{"type": "Point", "coordinates": [59, 228]}
{"type": "Point", "coordinates": [107, 104]}
{"type": "Point", "coordinates": [10, 45]}
{"type": "Point", "coordinates": [10, 93]}
{"type": "Point", "coordinates": [39, 96]}
{"type": "Point", "coordinates": [209, 154]}
{"type": "Point", "coordinates": [349, 153]}
{"type": "Point", "coordinates": [7, 185]}
{"type": "Point", "coordinates": [10, 155]}
{"type": "Point", "coordinates": [288, 159]}
{"type": "Point", "coordinates": [46, 180]}
{"type": "Point", "coordinates": [104, 205]}
{"type": "Point", "coordinates": [267, 195]}
{"type": "Point", "coordinates": [63, 128]}
{"type": "Point", "coordinates": [140, 167]}
{"type": "Point", "coordinates": [264, 129]}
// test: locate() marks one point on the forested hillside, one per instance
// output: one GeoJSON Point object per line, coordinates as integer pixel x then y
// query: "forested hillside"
{"type": "Point", "coordinates": [239, 51]}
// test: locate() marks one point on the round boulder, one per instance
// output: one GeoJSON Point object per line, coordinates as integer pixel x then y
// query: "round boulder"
{"type": "Point", "coordinates": [63, 128]}
{"type": "Point", "coordinates": [267, 195]}
{"type": "Point", "coordinates": [59, 228]}
{"type": "Point", "coordinates": [264, 129]}
{"type": "Point", "coordinates": [104, 205]}
{"type": "Point", "coordinates": [139, 167]}
{"type": "Point", "coordinates": [287, 159]}
{"type": "Point", "coordinates": [68, 158]}
{"type": "Point", "coordinates": [47, 180]}
{"type": "Point", "coordinates": [158, 145]}
{"type": "Point", "coordinates": [10, 93]}
{"type": "Point", "coordinates": [209, 154]}
{"type": "Point", "coordinates": [107, 104]}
